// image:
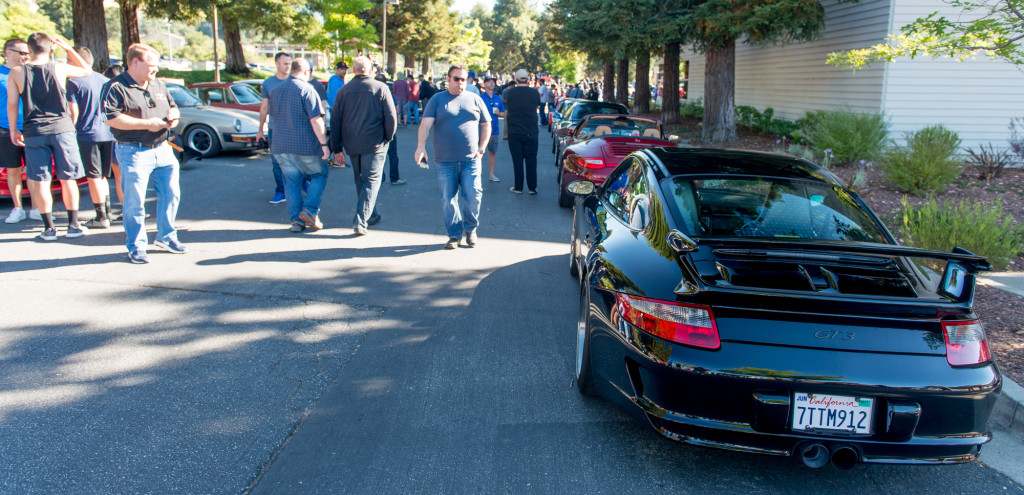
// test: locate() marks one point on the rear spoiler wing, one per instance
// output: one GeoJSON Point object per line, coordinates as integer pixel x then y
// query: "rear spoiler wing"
{"type": "Point", "coordinates": [961, 266]}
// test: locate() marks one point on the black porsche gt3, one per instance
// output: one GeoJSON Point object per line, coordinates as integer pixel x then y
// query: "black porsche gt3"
{"type": "Point", "coordinates": [749, 301]}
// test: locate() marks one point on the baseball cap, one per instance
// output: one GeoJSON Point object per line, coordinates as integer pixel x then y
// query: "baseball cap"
{"type": "Point", "coordinates": [488, 78]}
{"type": "Point", "coordinates": [341, 65]}
{"type": "Point", "coordinates": [522, 75]}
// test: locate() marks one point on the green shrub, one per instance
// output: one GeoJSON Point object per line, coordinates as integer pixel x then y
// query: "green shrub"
{"type": "Point", "coordinates": [851, 136]}
{"type": "Point", "coordinates": [693, 109]}
{"type": "Point", "coordinates": [764, 122]}
{"type": "Point", "coordinates": [928, 162]}
{"type": "Point", "coordinates": [983, 229]}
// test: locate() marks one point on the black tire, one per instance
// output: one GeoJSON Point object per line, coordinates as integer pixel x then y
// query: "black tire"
{"type": "Point", "coordinates": [584, 373]}
{"type": "Point", "coordinates": [203, 140]}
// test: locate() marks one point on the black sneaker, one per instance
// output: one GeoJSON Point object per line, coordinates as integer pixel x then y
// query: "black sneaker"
{"type": "Point", "coordinates": [98, 223]}
{"type": "Point", "coordinates": [533, 192]}
{"type": "Point", "coordinates": [298, 227]}
{"type": "Point", "coordinates": [75, 232]}
{"type": "Point", "coordinates": [373, 220]}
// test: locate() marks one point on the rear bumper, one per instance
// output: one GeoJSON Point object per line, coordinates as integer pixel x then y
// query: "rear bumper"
{"type": "Point", "coordinates": [739, 397]}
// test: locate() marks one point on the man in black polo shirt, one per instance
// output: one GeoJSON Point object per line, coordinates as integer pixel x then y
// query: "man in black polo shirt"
{"type": "Point", "coordinates": [141, 113]}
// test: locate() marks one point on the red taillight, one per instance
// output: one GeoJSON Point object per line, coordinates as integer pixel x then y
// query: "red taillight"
{"type": "Point", "coordinates": [589, 162]}
{"type": "Point", "coordinates": [965, 343]}
{"type": "Point", "coordinates": [682, 323]}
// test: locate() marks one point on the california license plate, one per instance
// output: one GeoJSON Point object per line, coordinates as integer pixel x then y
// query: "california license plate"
{"type": "Point", "coordinates": [832, 413]}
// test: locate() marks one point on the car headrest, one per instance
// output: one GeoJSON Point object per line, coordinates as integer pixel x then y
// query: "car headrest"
{"type": "Point", "coordinates": [602, 130]}
{"type": "Point", "coordinates": [652, 133]}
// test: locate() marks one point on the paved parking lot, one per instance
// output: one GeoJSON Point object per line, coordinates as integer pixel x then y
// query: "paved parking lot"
{"type": "Point", "coordinates": [269, 362]}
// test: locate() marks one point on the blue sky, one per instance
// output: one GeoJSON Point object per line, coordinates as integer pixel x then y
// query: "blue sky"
{"type": "Point", "coordinates": [464, 5]}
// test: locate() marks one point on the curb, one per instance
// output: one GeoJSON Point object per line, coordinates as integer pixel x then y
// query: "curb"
{"type": "Point", "coordinates": [1012, 282]}
{"type": "Point", "coordinates": [1008, 412]}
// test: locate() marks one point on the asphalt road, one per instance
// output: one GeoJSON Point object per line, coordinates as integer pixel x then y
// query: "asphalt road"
{"type": "Point", "coordinates": [267, 362]}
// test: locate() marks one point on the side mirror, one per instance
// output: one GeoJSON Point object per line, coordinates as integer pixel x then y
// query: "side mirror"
{"type": "Point", "coordinates": [563, 132]}
{"type": "Point", "coordinates": [581, 188]}
{"type": "Point", "coordinates": [675, 139]}
{"type": "Point", "coordinates": [680, 242]}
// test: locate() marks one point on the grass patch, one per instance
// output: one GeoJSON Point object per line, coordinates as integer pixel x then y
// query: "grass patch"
{"type": "Point", "coordinates": [198, 76]}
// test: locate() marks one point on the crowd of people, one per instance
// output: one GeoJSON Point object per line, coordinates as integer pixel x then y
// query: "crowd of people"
{"type": "Point", "coordinates": [65, 121]}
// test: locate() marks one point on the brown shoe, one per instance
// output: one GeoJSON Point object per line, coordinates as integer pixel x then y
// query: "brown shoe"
{"type": "Point", "coordinates": [471, 239]}
{"type": "Point", "coordinates": [452, 243]}
{"type": "Point", "coordinates": [311, 221]}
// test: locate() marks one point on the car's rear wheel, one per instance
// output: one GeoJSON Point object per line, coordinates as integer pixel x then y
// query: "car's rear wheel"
{"type": "Point", "coordinates": [202, 140]}
{"type": "Point", "coordinates": [584, 375]}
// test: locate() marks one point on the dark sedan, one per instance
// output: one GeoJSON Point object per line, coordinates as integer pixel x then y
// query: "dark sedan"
{"type": "Point", "coordinates": [748, 301]}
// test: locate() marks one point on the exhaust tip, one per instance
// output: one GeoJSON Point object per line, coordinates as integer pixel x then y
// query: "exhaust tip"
{"type": "Point", "coordinates": [844, 457]}
{"type": "Point", "coordinates": [814, 455]}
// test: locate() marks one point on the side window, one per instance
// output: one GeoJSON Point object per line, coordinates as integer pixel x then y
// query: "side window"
{"type": "Point", "coordinates": [212, 95]}
{"type": "Point", "coordinates": [625, 183]}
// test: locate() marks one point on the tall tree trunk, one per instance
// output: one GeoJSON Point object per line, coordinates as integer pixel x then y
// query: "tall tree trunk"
{"type": "Point", "coordinates": [670, 85]}
{"type": "Point", "coordinates": [719, 89]}
{"type": "Point", "coordinates": [392, 63]}
{"type": "Point", "coordinates": [234, 59]}
{"type": "Point", "coordinates": [92, 35]}
{"type": "Point", "coordinates": [609, 82]}
{"type": "Point", "coordinates": [129, 26]}
{"type": "Point", "coordinates": [642, 97]}
{"type": "Point", "coordinates": [622, 84]}
{"type": "Point", "coordinates": [425, 68]}
{"type": "Point", "coordinates": [410, 63]}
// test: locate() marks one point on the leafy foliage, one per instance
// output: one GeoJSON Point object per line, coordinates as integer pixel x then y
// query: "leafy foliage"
{"type": "Point", "coordinates": [59, 11]}
{"type": "Point", "coordinates": [765, 122]}
{"type": "Point", "coordinates": [981, 228]}
{"type": "Point", "coordinates": [470, 47]}
{"type": "Point", "coordinates": [850, 136]}
{"type": "Point", "coordinates": [990, 161]}
{"type": "Point", "coordinates": [928, 162]}
{"type": "Point", "coordinates": [17, 20]}
{"type": "Point", "coordinates": [991, 27]}
{"type": "Point", "coordinates": [692, 108]}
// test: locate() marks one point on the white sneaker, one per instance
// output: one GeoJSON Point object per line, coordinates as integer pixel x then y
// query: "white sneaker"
{"type": "Point", "coordinates": [34, 214]}
{"type": "Point", "coordinates": [494, 178]}
{"type": "Point", "coordinates": [17, 215]}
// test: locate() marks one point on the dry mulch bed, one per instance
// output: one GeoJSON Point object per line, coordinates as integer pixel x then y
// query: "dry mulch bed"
{"type": "Point", "coordinates": [1001, 312]}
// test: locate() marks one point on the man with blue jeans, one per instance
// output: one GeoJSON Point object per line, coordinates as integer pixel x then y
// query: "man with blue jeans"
{"type": "Point", "coordinates": [283, 62]}
{"type": "Point", "coordinates": [364, 120]}
{"type": "Point", "coordinates": [141, 113]}
{"type": "Point", "coordinates": [301, 145]}
{"type": "Point", "coordinates": [460, 140]}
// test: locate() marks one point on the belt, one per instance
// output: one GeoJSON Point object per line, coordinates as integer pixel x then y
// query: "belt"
{"type": "Point", "coordinates": [141, 145]}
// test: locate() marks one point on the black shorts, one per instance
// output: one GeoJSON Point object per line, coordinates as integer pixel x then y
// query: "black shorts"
{"type": "Point", "coordinates": [96, 158]}
{"type": "Point", "coordinates": [11, 156]}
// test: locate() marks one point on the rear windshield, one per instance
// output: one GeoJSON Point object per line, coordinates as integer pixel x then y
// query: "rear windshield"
{"type": "Point", "coordinates": [621, 126]}
{"type": "Point", "coordinates": [771, 208]}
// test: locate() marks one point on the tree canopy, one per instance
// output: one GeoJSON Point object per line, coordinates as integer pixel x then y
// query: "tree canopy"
{"type": "Point", "coordinates": [994, 28]}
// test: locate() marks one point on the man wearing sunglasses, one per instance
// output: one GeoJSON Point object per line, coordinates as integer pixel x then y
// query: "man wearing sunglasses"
{"type": "Point", "coordinates": [460, 140]}
{"type": "Point", "coordinates": [49, 133]}
{"type": "Point", "coordinates": [11, 156]}
{"type": "Point", "coordinates": [141, 113]}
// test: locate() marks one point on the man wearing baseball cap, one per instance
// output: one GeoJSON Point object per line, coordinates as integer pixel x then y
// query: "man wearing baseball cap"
{"type": "Point", "coordinates": [336, 82]}
{"type": "Point", "coordinates": [522, 104]}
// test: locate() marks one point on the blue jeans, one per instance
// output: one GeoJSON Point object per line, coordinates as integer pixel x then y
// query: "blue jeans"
{"type": "Point", "coordinates": [367, 170]}
{"type": "Point", "coordinates": [460, 179]}
{"type": "Point", "coordinates": [138, 165]}
{"type": "Point", "coordinates": [393, 159]}
{"type": "Point", "coordinates": [278, 176]}
{"type": "Point", "coordinates": [414, 111]}
{"type": "Point", "coordinates": [298, 169]}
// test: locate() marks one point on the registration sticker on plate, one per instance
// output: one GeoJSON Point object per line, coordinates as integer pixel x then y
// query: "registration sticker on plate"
{"type": "Point", "coordinates": [831, 413]}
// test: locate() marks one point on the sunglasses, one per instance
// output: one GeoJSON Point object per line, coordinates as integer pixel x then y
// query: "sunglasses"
{"type": "Point", "coordinates": [19, 52]}
{"type": "Point", "coordinates": [458, 79]}
{"type": "Point", "coordinates": [149, 98]}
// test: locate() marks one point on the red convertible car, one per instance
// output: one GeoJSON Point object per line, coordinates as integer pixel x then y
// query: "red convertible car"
{"type": "Point", "coordinates": [598, 143]}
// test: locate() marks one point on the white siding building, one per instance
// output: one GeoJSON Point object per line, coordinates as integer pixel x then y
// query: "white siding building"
{"type": "Point", "coordinates": [976, 98]}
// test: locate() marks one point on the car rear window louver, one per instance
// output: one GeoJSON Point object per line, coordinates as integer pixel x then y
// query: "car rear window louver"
{"type": "Point", "coordinates": [878, 277]}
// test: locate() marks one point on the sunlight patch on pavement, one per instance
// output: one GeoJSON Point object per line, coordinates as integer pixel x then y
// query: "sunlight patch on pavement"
{"type": "Point", "coordinates": [119, 357]}
{"type": "Point", "coordinates": [44, 397]}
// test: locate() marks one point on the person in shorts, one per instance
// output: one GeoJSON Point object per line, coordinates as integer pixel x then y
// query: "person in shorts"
{"type": "Point", "coordinates": [49, 134]}
{"type": "Point", "coordinates": [497, 109]}
{"type": "Point", "coordinates": [12, 157]}
{"type": "Point", "coordinates": [95, 142]}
